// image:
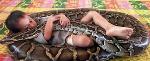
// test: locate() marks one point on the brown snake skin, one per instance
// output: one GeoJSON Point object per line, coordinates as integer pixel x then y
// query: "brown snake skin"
{"type": "Point", "coordinates": [23, 47]}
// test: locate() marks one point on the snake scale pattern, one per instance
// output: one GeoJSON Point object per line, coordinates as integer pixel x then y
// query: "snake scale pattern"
{"type": "Point", "coordinates": [23, 47]}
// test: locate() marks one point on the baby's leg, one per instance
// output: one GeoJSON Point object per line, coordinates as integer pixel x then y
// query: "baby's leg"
{"type": "Point", "coordinates": [79, 41]}
{"type": "Point", "coordinates": [111, 30]}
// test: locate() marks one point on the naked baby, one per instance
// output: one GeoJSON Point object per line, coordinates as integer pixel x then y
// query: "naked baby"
{"type": "Point", "coordinates": [19, 21]}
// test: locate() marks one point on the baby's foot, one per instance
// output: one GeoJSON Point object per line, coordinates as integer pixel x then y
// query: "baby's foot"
{"type": "Point", "coordinates": [122, 32]}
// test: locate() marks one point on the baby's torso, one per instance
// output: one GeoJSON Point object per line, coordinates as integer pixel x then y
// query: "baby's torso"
{"type": "Point", "coordinates": [57, 38]}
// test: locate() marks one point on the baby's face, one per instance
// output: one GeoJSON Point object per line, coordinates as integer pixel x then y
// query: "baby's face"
{"type": "Point", "coordinates": [26, 22]}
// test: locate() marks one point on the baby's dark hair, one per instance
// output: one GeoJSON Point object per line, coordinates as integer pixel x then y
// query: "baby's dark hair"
{"type": "Point", "coordinates": [12, 19]}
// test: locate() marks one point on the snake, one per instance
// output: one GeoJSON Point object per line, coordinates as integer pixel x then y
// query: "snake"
{"type": "Point", "coordinates": [23, 47]}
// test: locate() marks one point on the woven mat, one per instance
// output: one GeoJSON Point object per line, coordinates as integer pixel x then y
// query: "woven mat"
{"type": "Point", "coordinates": [136, 8]}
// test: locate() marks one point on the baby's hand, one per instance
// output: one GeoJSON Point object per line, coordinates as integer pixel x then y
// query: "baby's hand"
{"type": "Point", "coordinates": [52, 18]}
{"type": "Point", "coordinates": [64, 21]}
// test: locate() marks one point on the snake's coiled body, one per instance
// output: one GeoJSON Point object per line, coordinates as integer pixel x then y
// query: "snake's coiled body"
{"type": "Point", "coordinates": [23, 46]}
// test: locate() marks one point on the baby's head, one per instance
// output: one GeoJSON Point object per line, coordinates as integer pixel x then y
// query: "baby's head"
{"type": "Point", "coordinates": [19, 21]}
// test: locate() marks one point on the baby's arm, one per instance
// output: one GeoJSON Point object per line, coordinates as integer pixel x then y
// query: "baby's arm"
{"type": "Point", "coordinates": [49, 25]}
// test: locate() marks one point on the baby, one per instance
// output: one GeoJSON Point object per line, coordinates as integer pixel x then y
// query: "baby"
{"type": "Point", "coordinates": [19, 21]}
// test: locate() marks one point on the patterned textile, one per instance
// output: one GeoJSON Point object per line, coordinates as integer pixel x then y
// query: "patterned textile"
{"type": "Point", "coordinates": [137, 8]}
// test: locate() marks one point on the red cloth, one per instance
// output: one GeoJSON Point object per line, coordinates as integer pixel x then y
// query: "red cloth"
{"type": "Point", "coordinates": [5, 58]}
